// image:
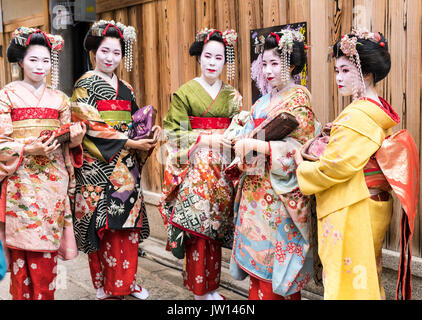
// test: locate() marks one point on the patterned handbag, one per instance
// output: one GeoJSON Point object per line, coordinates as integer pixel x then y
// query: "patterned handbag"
{"type": "Point", "coordinates": [271, 129]}
{"type": "Point", "coordinates": [277, 128]}
{"type": "Point", "coordinates": [62, 133]}
{"type": "Point", "coordinates": [142, 123]}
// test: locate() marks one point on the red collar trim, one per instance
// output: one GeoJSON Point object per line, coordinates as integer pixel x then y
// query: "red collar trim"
{"type": "Point", "coordinates": [386, 107]}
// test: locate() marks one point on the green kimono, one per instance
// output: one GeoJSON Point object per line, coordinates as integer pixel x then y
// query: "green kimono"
{"type": "Point", "coordinates": [197, 196]}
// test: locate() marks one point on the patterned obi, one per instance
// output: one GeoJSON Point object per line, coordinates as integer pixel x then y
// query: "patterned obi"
{"type": "Point", "coordinates": [115, 112]}
{"type": "Point", "coordinates": [209, 123]}
{"type": "Point", "coordinates": [29, 122]}
{"type": "Point", "coordinates": [374, 177]}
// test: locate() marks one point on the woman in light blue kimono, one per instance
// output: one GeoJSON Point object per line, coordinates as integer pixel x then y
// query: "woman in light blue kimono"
{"type": "Point", "coordinates": [272, 217]}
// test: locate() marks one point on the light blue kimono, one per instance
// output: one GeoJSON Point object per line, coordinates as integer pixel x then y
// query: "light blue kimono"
{"type": "Point", "coordinates": [272, 231]}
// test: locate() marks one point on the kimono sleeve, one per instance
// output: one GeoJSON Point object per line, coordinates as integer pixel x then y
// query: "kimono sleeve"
{"type": "Point", "coordinates": [11, 151]}
{"type": "Point", "coordinates": [181, 139]}
{"type": "Point", "coordinates": [347, 152]}
{"type": "Point", "coordinates": [101, 140]}
{"type": "Point", "coordinates": [282, 164]}
{"type": "Point", "coordinates": [65, 115]}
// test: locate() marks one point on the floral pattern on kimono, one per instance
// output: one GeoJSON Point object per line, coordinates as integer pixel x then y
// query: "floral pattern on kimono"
{"type": "Point", "coordinates": [38, 187]}
{"type": "Point", "coordinates": [108, 191]}
{"type": "Point", "coordinates": [272, 235]}
{"type": "Point", "coordinates": [197, 196]}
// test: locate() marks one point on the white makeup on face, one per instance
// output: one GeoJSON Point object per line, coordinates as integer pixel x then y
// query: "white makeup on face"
{"type": "Point", "coordinates": [212, 61]}
{"type": "Point", "coordinates": [346, 76]}
{"type": "Point", "coordinates": [108, 56]}
{"type": "Point", "coordinates": [271, 67]}
{"type": "Point", "coordinates": [36, 64]}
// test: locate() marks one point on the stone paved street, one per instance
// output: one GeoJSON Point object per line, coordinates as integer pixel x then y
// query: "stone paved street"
{"type": "Point", "coordinates": [158, 271]}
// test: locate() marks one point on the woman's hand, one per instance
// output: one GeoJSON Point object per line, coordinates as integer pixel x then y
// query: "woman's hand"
{"type": "Point", "coordinates": [39, 148]}
{"type": "Point", "coordinates": [244, 146]}
{"type": "Point", "coordinates": [145, 144]}
{"type": "Point", "coordinates": [77, 133]}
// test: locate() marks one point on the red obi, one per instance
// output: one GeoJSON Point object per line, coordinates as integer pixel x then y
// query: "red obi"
{"type": "Point", "coordinates": [209, 123]}
{"type": "Point", "coordinates": [18, 114]}
{"type": "Point", "coordinates": [258, 121]}
{"type": "Point", "coordinates": [114, 105]}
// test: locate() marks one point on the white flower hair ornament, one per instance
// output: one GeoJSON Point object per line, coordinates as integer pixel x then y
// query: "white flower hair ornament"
{"type": "Point", "coordinates": [22, 37]}
{"type": "Point", "coordinates": [229, 38]}
{"type": "Point", "coordinates": [127, 33]}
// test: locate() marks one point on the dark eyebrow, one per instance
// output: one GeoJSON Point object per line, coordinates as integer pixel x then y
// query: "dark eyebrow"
{"type": "Point", "coordinates": [36, 57]}
{"type": "Point", "coordinates": [218, 54]}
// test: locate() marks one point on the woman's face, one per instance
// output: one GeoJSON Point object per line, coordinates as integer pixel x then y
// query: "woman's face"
{"type": "Point", "coordinates": [36, 64]}
{"type": "Point", "coordinates": [212, 61]}
{"type": "Point", "coordinates": [271, 68]}
{"type": "Point", "coordinates": [347, 76]}
{"type": "Point", "coordinates": [108, 55]}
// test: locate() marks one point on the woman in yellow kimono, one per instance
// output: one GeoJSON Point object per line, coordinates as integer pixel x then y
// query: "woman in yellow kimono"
{"type": "Point", "coordinates": [354, 205]}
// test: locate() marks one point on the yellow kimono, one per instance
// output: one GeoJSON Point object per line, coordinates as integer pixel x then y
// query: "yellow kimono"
{"type": "Point", "coordinates": [351, 226]}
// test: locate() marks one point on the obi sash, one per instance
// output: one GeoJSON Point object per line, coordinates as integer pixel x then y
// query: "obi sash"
{"type": "Point", "coordinates": [18, 114]}
{"type": "Point", "coordinates": [115, 110]}
{"type": "Point", "coordinates": [209, 123]}
{"type": "Point", "coordinates": [374, 177]}
{"type": "Point", "coordinates": [30, 122]}
{"type": "Point", "coordinates": [398, 159]}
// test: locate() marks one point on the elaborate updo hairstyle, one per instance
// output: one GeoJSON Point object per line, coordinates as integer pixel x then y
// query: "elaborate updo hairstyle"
{"type": "Point", "coordinates": [93, 39]}
{"type": "Point", "coordinates": [373, 54]}
{"type": "Point", "coordinates": [197, 46]}
{"type": "Point", "coordinates": [16, 52]}
{"type": "Point", "coordinates": [298, 56]}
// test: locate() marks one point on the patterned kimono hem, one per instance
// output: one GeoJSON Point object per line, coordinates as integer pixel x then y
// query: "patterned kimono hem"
{"type": "Point", "coordinates": [250, 273]}
{"type": "Point", "coordinates": [200, 235]}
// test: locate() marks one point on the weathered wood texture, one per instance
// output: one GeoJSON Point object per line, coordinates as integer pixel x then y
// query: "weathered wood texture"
{"type": "Point", "coordinates": [166, 28]}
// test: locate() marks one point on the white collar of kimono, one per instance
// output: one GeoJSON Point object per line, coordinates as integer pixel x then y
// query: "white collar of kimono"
{"type": "Point", "coordinates": [213, 89]}
{"type": "Point", "coordinates": [112, 81]}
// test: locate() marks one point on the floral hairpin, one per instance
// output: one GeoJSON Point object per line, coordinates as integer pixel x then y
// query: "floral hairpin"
{"type": "Point", "coordinates": [230, 38]}
{"type": "Point", "coordinates": [55, 42]}
{"type": "Point", "coordinates": [99, 29]}
{"type": "Point", "coordinates": [285, 45]}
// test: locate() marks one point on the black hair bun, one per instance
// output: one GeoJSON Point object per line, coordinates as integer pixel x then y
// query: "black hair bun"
{"type": "Point", "coordinates": [93, 42]}
{"type": "Point", "coordinates": [15, 52]}
{"type": "Point", "coordinates": [195, 50]}
{"type": "Point", "coordinates": [298, 57]}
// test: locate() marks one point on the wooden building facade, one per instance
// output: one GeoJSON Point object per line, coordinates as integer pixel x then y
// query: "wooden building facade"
{"type": "Point", "coordinates": [166, 28]}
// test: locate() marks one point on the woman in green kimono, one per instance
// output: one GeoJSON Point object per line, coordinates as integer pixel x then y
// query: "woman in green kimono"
{"type": "Point", "coordinates": [197, 198]}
